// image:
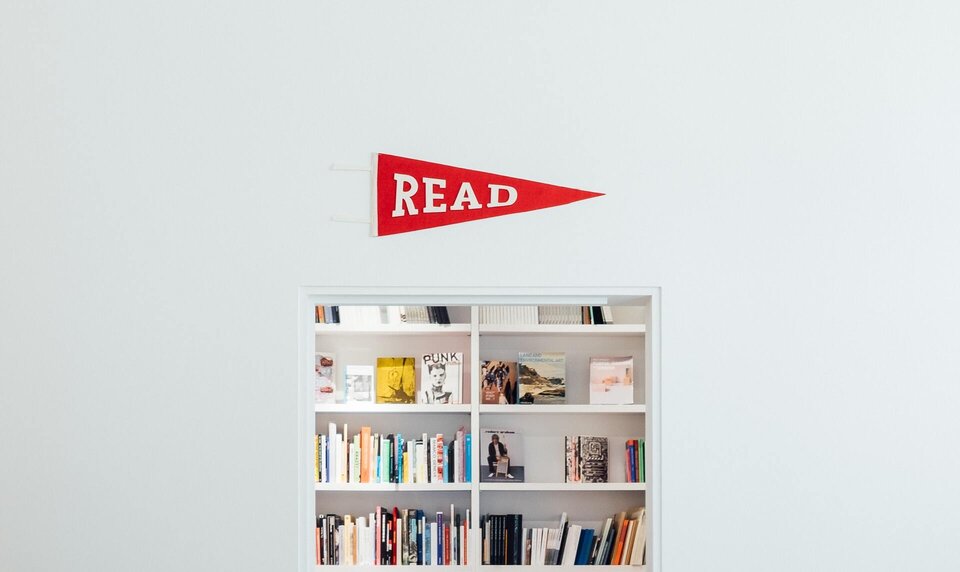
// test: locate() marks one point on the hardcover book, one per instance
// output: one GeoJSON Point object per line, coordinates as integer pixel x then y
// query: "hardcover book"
{"type": "Point", "coordinates": [441, 377]}
{"type": "Point", "coordinates": [499, 382]}
{"type": "Point", "coordinates": [325, 388]}
{"type": "Point", "coordinates": [396, 380]}
{"type": "Point", "coordinates": [611, 380]}
{"type": "Point", "coordinates": [592, 462]}
{"type": "Point", "coordinates": [502, 450]}
{"type": "Point", "coordinates": [542, 378]}
{"type": "Point", "coordinates": [358, 383]}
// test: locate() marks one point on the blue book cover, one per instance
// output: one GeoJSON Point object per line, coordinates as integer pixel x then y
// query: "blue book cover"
{"type": "Point", "coordinates": [421, 534]}
{"type": "Point", "coordinates": [586, 544]}
{"type": "Point", "coordinates": [469, 457]}
{"type": "Point", "coordinates": [446, 465]}
{"type": "Point", "coordinates": [426, 541]}
{"type": "Point", "coordinates": [398, 476]}
{"type": "Point", "coordinates": [440, 535]}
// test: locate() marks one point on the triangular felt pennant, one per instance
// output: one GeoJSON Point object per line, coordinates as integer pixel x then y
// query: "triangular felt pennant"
{"type": "Point", "coordinates": [410, 194]}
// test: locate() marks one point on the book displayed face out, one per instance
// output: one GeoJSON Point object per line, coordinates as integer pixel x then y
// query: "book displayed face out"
{"type": "Point", "coordinates": [543, 378]}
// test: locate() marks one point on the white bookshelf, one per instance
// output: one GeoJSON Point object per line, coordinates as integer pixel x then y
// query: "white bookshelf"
{"type": "Point", "coordinates": [543, 495]}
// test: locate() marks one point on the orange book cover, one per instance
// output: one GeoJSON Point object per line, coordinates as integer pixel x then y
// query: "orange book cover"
{"type": "Point", "coordinates": [364, 455]}
{"type": "Point", "coordinates": [621, 534]}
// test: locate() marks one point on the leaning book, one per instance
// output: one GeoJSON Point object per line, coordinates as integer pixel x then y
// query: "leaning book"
{"type": "Point", "coordinates": [441, 377]}
{"type": "Point", "coordinates": [358, 383]}
{"type": "Point", "coordinates": [396, 380]}
{"type": "Point", "coordinates": [611, 380]}
{"type": "Point", "coordinates": [542, 378]}
{"type": "Point", "coordinates": [499, 385]}
{"type": "Point", "coordinates": [325, 386]}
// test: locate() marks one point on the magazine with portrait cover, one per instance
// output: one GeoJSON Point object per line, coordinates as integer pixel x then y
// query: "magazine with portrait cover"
{"type": "Point", "coordinates": [542, 378]}
{"type": "Point", "coordinates": [325, 386]}
{"type": "Point", "coordinates": [501, 456]}
{"type": "Point", "coordinates": [499, 382]}
{"type": "Point", "coordinates": [611, 380]}
{"type": "Point", "coordinates": [441, 378]}
{"type": "Point", "coordinates": [396, 380]}
{"type": "Point", "coordinates": [358, 383]}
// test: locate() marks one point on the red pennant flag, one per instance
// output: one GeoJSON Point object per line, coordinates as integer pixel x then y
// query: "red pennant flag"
{"type": "Point", "coordinates": [413, 195]}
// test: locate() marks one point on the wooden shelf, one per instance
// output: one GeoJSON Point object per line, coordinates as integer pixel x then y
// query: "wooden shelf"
{"type": "Point", "coordinates": [566, 487]}
{"type": "Point", "coordinates": [391, 408]}
{"type": "Point", "coordinates": [391, 487]}
{"type": "Point", "coordinates": [562, 329]}
{"type": "Point", "coordinates": [403, 329]}
{"type": "Point", "coordinates": [563, 409]}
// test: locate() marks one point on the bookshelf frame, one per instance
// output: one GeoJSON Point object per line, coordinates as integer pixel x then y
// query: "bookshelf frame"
{"type": "Point", "coordinates": [475, 297]}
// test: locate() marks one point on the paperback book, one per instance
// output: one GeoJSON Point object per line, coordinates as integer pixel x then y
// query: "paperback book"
{"type": "Point", "coordinates": [441, 377]}
{"type": "Point", "coordinates": [499, 382]}
{"type": "Point", "coordinates": [542, 378]}
{"type": "Point", "coordinates": [325, 388]}
{"type": "Point", "coordinates": [611, 380]}
{"type": "Point", "coordinates": [503, 450]}
{"type": "Point", "coordinates": [358, 383]}
{"type": "Point", "coordinates": [396, 380]}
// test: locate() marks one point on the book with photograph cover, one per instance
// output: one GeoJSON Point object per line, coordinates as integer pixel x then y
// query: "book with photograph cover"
{"type": "Point", "coordinates": [611, 380]}
{"type": "Point", "coordinates": [499, 382]}
{"type": "Point", "coordinates": [441, 378]}
{"type": "Point", "coordinates": [502, 449]}
{"type": "Point", "coordinates": [358, 383]}
{"type": "Point", "coordinates": [396, 380]}
{"type": "Point", "coordinates": [542, 378]}
{"type": "Point", "coordinates": [325, 386]}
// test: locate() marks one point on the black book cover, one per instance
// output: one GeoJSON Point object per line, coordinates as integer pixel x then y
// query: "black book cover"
{"type": "Point", "coordinates": [518, 539]}
{"type": "Point", "coordinates": [444, 315]}
{"type": "Point", "coordinates": [563, 541]}
{"type": "Point", "coordinates": [456, 538]}
{"type": "Point", "coordinates": [392, 465]}
{"type": "Point", "coordinates": [508, 544]}
{"type": "Point", "coordinates": [596, 313]}
{"type": "Point", "coordinates": [336, 314]}
{"type": "Point", "coordinates": [594, 550]}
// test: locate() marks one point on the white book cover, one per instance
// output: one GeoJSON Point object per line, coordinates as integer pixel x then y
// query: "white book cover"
{"type": "Point", "coordinates": [325, 386]}
{"type": "Point", "coordinates": [611, 380]}
{"type": "Point", "coordinates": [571, 545]}
{"type": "Point", "coordinates": [441, 378]}
{"type": "Point", "coordinates": [358, 383]}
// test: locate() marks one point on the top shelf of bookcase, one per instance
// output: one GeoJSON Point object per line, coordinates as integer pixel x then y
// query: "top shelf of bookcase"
{"type": "Point", "coordinates": [563, 329]}
{"type": "Point", "coordinates": [404, 329]}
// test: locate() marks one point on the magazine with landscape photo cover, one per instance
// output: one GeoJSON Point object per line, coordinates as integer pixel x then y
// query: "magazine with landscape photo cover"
{"type": "Point", "coordinates": [396, 380]}
{"type": "Point", "coordinates": [611, 380]}
{"type": "Point", "coordinates": [441, 378]}
{"type": "Point", "coordinates": [499, 382]}
{"type": "Point", "coordinates": [542, 378]}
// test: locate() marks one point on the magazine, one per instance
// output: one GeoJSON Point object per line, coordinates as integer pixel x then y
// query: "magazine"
{"type": "Point", "coordinates": [396, 380]}
{"type": "Point", "coordinates": [325, 388]}
{"type": "Point", "coordinates": [499, 382]}
{"type": "Point", "coordinates": [611, 380]}
{"type": "Point", "coordinates": [441, 378]}
{"type": "Point", "coordinates": [542, 378]}
{"type": "Point", "coordinates": [502, 449]}
{"type": "Point", "coordinates": [358, 383]}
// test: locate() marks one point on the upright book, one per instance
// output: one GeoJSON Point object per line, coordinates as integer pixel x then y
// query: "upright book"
{"type": "Point", "coordinates": [542, 378]}
{"type": "Point", "coordinates": [396, 380]}
{"type": "Point", "coordinates": [441, 377]}
{"type": "Point", "coordinates": [499, 382]}
{"type": "Point", "coordinates": [611, 380]}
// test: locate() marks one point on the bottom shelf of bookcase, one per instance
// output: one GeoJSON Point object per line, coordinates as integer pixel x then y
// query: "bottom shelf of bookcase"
{"type": "Point", "coordinates": [483, 568]}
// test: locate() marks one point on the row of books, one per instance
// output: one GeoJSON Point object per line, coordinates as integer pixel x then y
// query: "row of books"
{"type": "Point", "coordinates": [636, 465]}
{"type": "Point", "coordinates": [393, 538]}
{"type": "Point", "coordinates": [394, 380]}
{"type": "Point", "coordinates": [620, 541]}
{"type": "Point", "coordinates": [563, 314]}
{"type": "Point", "coordinates": [368, 457]}
{"type": "Point", "coordinates": [375, 315]}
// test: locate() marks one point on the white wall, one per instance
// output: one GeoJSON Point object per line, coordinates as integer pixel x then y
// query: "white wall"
{"type": "Point", "coordinates": [786, 172]}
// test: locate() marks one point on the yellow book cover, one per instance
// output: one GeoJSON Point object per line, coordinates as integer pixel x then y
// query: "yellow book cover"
{"type": "Point", "coordinates": [316, 458]}
{"type": "Point", "coordinates": [396, 380]}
